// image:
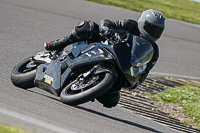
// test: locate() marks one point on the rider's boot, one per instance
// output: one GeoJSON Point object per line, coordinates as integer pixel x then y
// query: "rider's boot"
{"type": "Point", "coordinates": [61, 43]}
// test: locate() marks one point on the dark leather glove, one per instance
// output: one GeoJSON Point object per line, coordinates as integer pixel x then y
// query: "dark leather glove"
{"type": "Point", "coordinates": [107, 33]}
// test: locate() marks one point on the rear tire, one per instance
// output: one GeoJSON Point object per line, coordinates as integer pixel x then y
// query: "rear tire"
{"type": "Point", "coordinates": [22, 76]}
{"type": "Point", "coordinates": [76, 96]}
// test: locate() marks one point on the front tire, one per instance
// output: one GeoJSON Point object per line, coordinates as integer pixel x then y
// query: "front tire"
{"type": "Point", "coordinates": [75, 93]}
{"type": "Point", "coordinates": [23, 74]}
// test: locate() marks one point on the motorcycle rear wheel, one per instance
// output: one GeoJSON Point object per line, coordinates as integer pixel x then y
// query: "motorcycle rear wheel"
{"type": "Point", "coordinates": [77, 93]}
{"type": "Point", "coordinates": [23, 74]}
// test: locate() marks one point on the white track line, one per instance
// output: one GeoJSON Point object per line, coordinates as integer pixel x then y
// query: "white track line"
{"type": "Point", "coordinates": [35, 121]}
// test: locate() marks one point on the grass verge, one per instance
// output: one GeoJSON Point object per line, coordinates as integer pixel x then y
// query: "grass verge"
{"type": "Point", "coordinates": [184, 10]}
{"type": "Point", "coordinates": [11, 129]}
{"type": "Point", "coordinates": [186, 98]}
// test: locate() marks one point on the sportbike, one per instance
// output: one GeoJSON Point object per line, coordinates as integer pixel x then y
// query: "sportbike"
{"type": "Point", "coordinates": [87, 71]}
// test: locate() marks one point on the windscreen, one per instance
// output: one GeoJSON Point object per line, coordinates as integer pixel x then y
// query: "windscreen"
{"type": "Point", "coordinates": [141, 52]}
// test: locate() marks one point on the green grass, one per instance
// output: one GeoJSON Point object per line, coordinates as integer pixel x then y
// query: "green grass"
{"type": "Point", "coordinates": [186, 96]}
{"type": "Point", "coordinates": [184, 10]}
{"type": "Point", "coordinates": [11, 129]}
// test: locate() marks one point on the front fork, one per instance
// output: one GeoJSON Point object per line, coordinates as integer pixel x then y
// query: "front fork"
{"type": "Point", "coordinates": [94, 71]}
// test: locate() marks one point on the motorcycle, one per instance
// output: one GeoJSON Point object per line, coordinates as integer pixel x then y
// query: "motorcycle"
{"type": "Point", "coordinates": [87, 71]}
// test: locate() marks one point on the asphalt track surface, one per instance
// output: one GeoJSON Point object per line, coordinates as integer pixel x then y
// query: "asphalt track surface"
{"type": "Point", "coordinates": [26, 25]}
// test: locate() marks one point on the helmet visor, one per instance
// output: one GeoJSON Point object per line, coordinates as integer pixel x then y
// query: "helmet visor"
{"type": "Point", "coordinates": [153, 30]}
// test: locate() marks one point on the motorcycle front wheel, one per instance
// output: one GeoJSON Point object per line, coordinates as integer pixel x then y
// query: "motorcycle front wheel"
{"type": "Point", "coordinates": [80, 91]}
{"type": "Point", "coordinates": [23, 74]}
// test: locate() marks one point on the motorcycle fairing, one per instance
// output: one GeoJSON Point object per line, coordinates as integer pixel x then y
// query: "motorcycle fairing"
{"type": "Point", "coordinates": [88, 54]}
{"type": "Point", "coordinates": [52, 77]}
{"type": "Point", "coordinates": [141, 52]}
{"type": "Point", "coordinates": [132, 57]}
{"type": "Point", "coordinates": [48, 77]}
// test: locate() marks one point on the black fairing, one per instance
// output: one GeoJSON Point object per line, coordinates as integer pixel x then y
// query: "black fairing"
{"type": "Point", "coordinates": [48, 77]}
{"type": "Point", "coordinates": [88, 54]}
{"type": "Point", "coordinates": [123, 53]}
{"type": "Point", "coordinates": [133, 56]}
{"type": "Point", "coordinates": [52, 77]}
{"type": "Point", "coordinates": [130, 55]}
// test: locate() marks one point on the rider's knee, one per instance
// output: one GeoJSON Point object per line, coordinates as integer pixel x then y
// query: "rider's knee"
{"type": "Point", "coordinates": [109, 100]}
{"type": "Point", "coordinates": [86, 30]}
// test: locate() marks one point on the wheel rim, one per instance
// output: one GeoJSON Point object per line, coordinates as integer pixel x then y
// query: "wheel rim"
{"type": "Point", "coordinates": [80, 85]}
{"type": "Point", "coordinates": [26, 67]}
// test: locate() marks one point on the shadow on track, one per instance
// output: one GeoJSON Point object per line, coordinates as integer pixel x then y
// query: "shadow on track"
{"type": "Point", "coordinates": [117, 119]}
{"type": "Point", "coordinates": [104, 115]}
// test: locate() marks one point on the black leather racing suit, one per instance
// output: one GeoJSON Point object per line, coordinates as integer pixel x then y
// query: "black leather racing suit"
{"type": "Point", "coordinates": [123, 27]}
{"type": "Point", "coordinates": [91, 32]}
{"type": "Point", "coordinates": [88, 30]}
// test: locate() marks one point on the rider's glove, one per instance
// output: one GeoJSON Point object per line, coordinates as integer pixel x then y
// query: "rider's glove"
{"type": "Point", "coordinates": [107, 33]}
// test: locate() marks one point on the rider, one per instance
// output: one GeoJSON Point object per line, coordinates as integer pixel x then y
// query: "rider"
{"type": "Point", "coordinates": [150, 26]}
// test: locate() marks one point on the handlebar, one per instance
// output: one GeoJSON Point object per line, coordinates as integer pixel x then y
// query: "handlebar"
{"type": "Point", "coordinates": [114, 39]}
{"type": "Point", "coordinates": [55, 54]}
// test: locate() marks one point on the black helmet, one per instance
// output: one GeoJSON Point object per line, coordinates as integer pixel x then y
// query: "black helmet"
{"type": "Point", "coordinates": [151, 24]}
